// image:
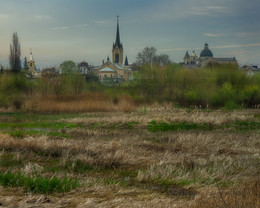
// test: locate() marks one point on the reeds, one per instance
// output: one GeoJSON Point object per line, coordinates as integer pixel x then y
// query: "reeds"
{"type": "Point", "coordinates": [86, 102]}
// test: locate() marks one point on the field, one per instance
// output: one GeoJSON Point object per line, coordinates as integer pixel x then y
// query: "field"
{"type": "Point", "coordinates": [156, 156]}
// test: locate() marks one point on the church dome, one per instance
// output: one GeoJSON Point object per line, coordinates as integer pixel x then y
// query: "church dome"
{"type": "Point", "coordinates": [206, 52]}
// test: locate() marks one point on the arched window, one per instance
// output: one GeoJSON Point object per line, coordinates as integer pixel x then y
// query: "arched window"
{"type": "Point", "coordinates": [117, 58]}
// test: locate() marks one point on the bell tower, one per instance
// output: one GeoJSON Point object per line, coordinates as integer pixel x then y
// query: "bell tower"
{"type": "Point", "coordinates": [31, 63]}
{"type": "Point", "coordinates": [117, 51]}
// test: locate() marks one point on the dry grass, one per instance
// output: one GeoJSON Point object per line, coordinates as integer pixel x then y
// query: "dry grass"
{"type": "Point", "coordinates": [87, 102]}
{"type": "Point", "coordinates": [133, 167]}
{"type": "Point", "coordinates": [246, 195]}
{"type": "Point", "coordinates": [168, 113]}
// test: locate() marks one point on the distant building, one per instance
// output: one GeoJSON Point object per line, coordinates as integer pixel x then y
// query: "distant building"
{"type": "Point", "coordinates": [206, 56]}
{"type": "Point", "coordinates": [251, 69]}
{"type": "Point", "coordinates": [32, 72]}
{"type": "Point", "coordinates": [31, 63]}
{"type": "Point", "coordinates": [85, 68]}
{"type": "Point", "coordinates": [114, 71]}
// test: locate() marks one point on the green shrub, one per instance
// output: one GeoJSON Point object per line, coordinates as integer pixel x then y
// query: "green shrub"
{"type": "Point", "coordinates": [231, 105]}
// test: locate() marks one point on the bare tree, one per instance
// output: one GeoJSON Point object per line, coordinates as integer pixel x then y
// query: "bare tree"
{"type": "Point", "coordinates": [162, 59]}
{"type": "Point", "coordinates": [15, 54]}
{"type": "Point", "coordinates": [148, 56]}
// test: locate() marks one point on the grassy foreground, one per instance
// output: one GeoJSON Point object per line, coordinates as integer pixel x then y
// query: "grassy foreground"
{"type": "Point", "coordinates": [153, 157]}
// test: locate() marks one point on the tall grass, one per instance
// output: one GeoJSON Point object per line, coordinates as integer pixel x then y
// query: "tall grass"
{"type": "Point", "coordinates": [84, 102]}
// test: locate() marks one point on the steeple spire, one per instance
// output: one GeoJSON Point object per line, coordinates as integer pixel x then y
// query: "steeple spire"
{"type": "Point", "coordinates": [117, 33]}
{"type": "Point", "coordinates": [117, 51]}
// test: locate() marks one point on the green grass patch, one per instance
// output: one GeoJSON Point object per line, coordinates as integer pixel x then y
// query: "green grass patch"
{"type": "Point", "coordinates": [246, 125]}
{"type": "Point", "coordinates": [257, 116]}
{"type": "Point", "coordinates": [162, 126]}
{"type": "Point", "coordinates": [54, 125]}
{"type": "Point", "coordinates": [115, 181]}
{"type": "Point", "coordinates": [22, 117]}
{"type": "Point", "coordinates": [18, 134]}
{"type": "Point", "coordinates": [166, 183]}
{"type": "Point", "coordinates": [128, 173]}
{"type": "Point", "coordinates": [131, 124]}
{"type": "Point", "coordinates": [8, 161]}
{"type": "Point", "coordinates": [41, 185]}
{"type": "Point", "coordinates": [78, 167]}
{"type": "Point", "coordinates": [97, 125]}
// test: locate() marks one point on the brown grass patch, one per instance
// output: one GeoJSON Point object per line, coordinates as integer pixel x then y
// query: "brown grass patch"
{"type": "Point", "coordinates": [247, 195]}
{"type": "Point", "coordinates": [87, 102]}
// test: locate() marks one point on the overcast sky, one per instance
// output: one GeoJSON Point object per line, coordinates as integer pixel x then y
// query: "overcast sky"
{"type": "Point", "coordinates": [78, 30]}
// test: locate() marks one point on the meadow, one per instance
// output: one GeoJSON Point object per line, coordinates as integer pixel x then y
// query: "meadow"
{"type": "Point", "coordinates": [154, 156]}
{"type": "Point", "coordinates": [171, 137]}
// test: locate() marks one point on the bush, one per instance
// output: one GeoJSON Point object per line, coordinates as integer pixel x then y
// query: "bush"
{"type": "Point", "coordinates": [220, 86]}
{"type": "Point", "coordinates": [13, 89]}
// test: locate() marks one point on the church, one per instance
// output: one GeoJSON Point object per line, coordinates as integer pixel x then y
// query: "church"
{"type": "Point", "coordinates": [32, 72]}
{"type": "Point", "coordinates": [206, 57]}
{"type": "Point", "coordinates": [115, 70]}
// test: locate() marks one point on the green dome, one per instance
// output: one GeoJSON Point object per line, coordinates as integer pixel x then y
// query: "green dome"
{"type": "Point", "coordinates": [206, 52]}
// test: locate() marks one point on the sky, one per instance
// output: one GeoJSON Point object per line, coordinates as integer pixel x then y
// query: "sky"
{"type": "Point", "coordinates": [84, 30]}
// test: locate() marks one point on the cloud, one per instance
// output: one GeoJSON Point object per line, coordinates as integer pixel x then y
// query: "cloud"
{"type": "Point", "coordinates": [246, 34]}
{"type": "Point", "coordinates": [61, 28]}
{"type": "Point", "coordinates": [42, 17]}
{"type": "Point", "coordinates": [103, 22]}
{"type": "Point", "coordinates": [69, 27]}
{"type": "Point", "coordinates": [223, 46]}
{"type": "Point", "coordinates": [83, 25]}
{"type": "Point", "coordinates": [213, 34]}
{"type": "Point", "coordinates": [238, 46]}
{"type": "Point", "coordinates": [172, 10]}
{"type": "Point", "coordinates": [177, 49]}
{"type": "Point", "coordinates": [5, 18]}
{"type": "Point", "coordinates": [207, 11]}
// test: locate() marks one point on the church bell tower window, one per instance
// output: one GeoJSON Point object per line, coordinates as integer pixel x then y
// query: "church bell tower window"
{"type": "Point", "coordinates": [117, 58]}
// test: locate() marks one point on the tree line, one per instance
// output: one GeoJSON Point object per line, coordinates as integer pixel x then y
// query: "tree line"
{"type": "Point", "coordinates": [157, 79]}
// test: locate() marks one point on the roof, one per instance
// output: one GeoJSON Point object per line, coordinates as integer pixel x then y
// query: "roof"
{"type": "Point", "coordinates": [83, 64]}
{"type": "Point", "coordinates": [187, 55]}
{"type": "Point", "coordinates": [126, 61]}
{"type": "Point", "coordinates": [225, 59]}
{"type": "Point", "coordinates": [107, 69]}
{"type": "Point", "coordinates": [206, 52]}
{"type": "Point", "coordinates": [118, 66]}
